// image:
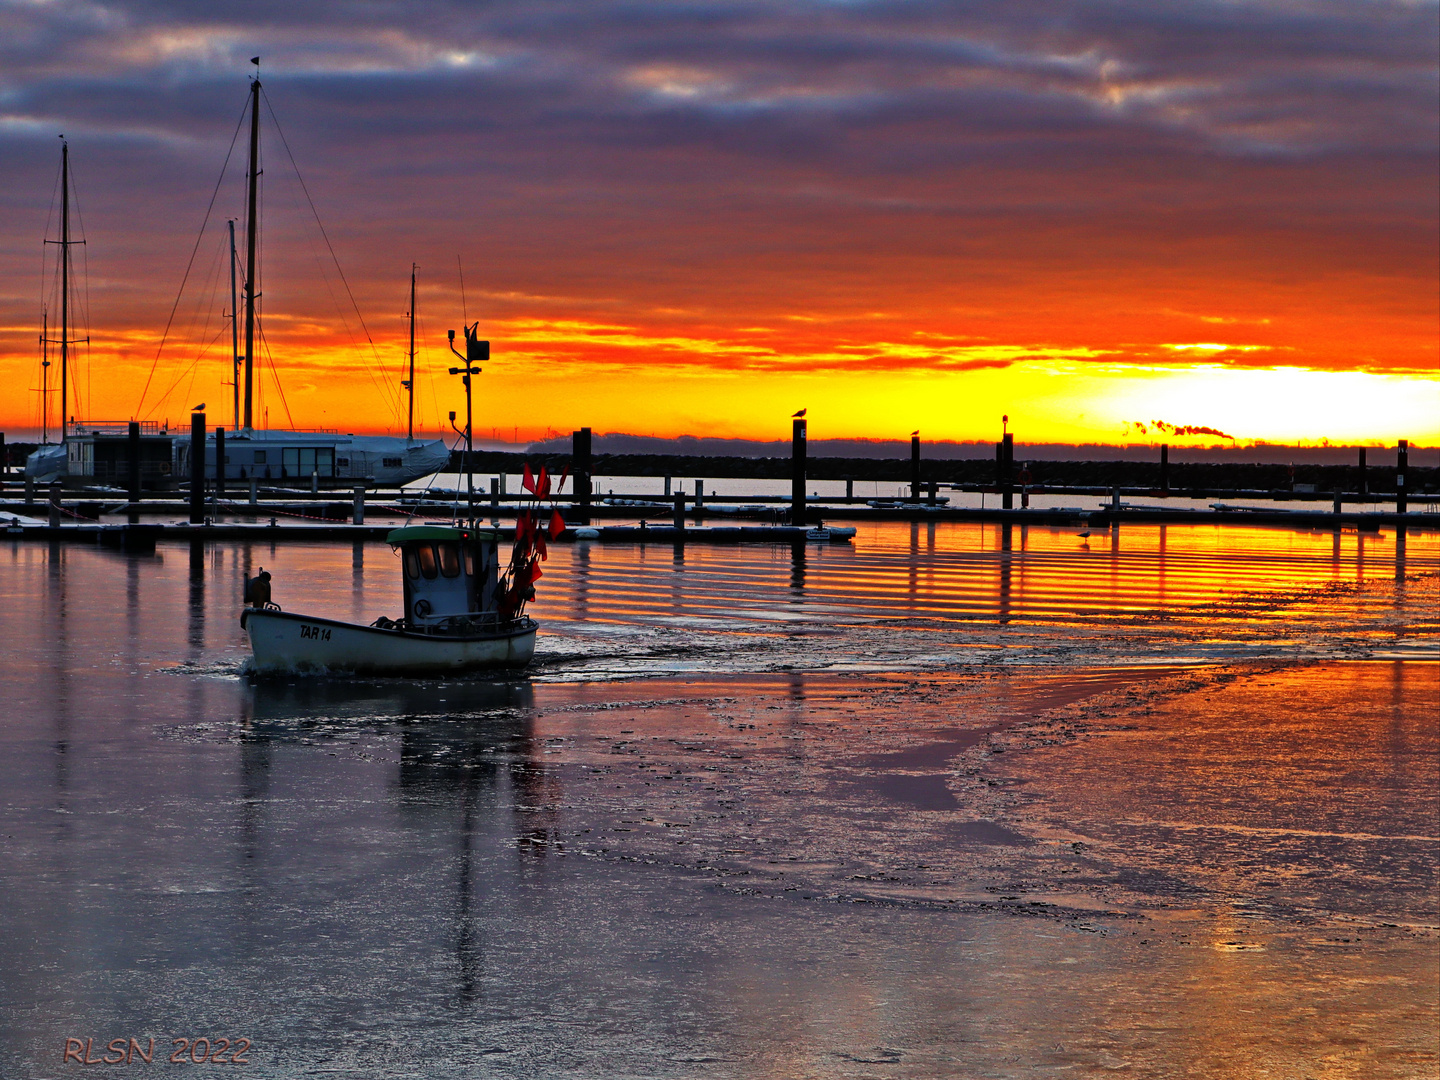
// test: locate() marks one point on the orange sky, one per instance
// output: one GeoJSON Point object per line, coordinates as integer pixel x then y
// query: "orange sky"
{"type": "Point", "coordinates": [898, 220]}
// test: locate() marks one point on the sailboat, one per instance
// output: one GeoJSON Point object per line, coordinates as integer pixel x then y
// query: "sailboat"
{"type": "Point", "coordinates": [321, 458]}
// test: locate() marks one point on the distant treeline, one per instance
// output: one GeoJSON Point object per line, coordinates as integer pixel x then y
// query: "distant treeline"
{"type": "Point", "coordinates": [1142, 474]}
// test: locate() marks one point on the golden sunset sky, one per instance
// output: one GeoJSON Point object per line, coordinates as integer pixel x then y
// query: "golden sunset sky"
{"type": "Point", "coordinates": [695, 218]}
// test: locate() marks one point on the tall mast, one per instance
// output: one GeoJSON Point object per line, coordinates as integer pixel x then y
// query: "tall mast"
{"type": "Point", "coordinates": [64, 289]}
{"type": "Point", "coordinates": [234, 330]}
{"type": "Point", "coordinates": [250, 230]}
{"type": "Point", "coordinates": [410, 383]}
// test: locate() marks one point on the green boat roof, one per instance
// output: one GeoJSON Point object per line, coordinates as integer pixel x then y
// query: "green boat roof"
{"type": "Point", "coordinates": [431, 532]}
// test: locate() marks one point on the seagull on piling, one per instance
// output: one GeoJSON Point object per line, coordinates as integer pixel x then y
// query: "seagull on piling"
{"type": "Point", "coordinates": [198, 408]}
{"type": "Point", "coordinates": [796, 416]}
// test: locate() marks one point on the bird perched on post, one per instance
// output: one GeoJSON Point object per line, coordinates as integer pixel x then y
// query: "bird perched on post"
{"type": "Point", "coordinates": [198, 408]}
{"type": "Point", "coordinates": [796, 416]}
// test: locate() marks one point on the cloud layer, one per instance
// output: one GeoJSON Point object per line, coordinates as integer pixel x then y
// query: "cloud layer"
{"type": "Point", "coordinates": [850, 187]}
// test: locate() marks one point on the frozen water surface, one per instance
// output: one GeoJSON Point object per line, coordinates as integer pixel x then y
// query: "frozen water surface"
{"type": "Point", "coordinates": [946, 802]}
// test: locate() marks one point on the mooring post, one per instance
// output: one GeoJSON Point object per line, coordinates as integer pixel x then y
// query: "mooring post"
{"type": "Point", "coordinates": [219, 463]}
{"type": "Point", "coordinates": [315, 481]}
{"type": "Point", "coordinates": [55, 504]}
{"type": "Point", "coordinates": [1007, 489]}
{"type": "Point", "coordinates": [699, 494]}
{"type": "Point", "coordinates": [797, 471]}
{"type": "Point", "coordinates": [1337, 507]}
{"type": "Point", "coordinates": [495, 495]}
{"type": "Point", "coordinates": [1164, 469]}
{"type": "Point", "coordinates": [133, 493]}
{"type": "Point", "coordinates": [4, 460]}
{"type": "Point", "coordinates": [849, 490]}
{"type": "Point", "coordinates": [254, 491]}
{"type": "Point", "coordinates": [29, 493]}
{"type": "Point", "coordinates": [357, 513]}
{"type": "Point", "coordinates": [1364, 488]}
{"type": "Point", "coordinates": [581, 461]}
{"type": "Point", "coordinates": [1402, 463]}
{"type": "Point", "coordinates": [934, 489]}
{"type": "Point", "coordinates": [667, 487]}
{"type": "Point", "coordinates": [915, 466]}
{"type": "Point", "coordinates": [679, 498]}
{"type": "Point", "coordinates": [197, 468]}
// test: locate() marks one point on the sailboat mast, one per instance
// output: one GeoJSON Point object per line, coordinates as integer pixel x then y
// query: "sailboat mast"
{"type": "Point", "coordinates": [410, 430]}
{"type": "Point", "coordinates": [64, 289]}
{"type": "Point", "coordinates": [44, 375]}
{"type": "Point", "coordinates": [234, 330]}
{"type": "Point", "coordinates": [250, 230]}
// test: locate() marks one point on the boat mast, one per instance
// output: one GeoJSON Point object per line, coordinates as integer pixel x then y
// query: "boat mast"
{"type": "Point", "coordinates": [234, 330]}
{"type": "Point", "coordinates": [410, 383]}
{"type": "Point", "coordinates": [44, 375]}
{"type": "Point", "coordinates": [250, 230]}
{"type": "Point", "coordinates": [64, 288]}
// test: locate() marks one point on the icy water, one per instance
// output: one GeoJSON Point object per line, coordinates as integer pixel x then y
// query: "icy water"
{"type": "Point", "coordinates": [954, 800]}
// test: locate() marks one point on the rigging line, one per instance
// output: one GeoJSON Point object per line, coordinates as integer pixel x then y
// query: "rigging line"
{"type": "Point", "coordinates": [186, 276]}
{"type": "Point", "coordinates": [192, 329]}
{"type": "Point", "coordinates": [275, 375]}
{"type": "Point", "coordinates": [49, 220]}
{"type": "Point", "coordinates": [321, 226]}
{"type": "Point", "coordinates": [380, 380]}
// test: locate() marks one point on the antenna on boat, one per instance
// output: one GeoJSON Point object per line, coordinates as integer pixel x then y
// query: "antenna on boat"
{"type": "Point", "coordinates": [475, 351]}
{"type": "Point", "coordinates": [250, 230]}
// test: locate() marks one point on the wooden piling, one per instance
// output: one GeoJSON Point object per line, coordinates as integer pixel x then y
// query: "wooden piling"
{"type": "Point", "coordinates": [1402, 464]}
{"type": "Point", "coordinates": [55, 504]}
{"type": "Point", "coordinates": [915, 467]}
{"type": "Point", "coordinates": [1164, 469]}
{"type": "Point", "coordinates": [797, 471]}
{"type": "Point", "coordinates": [1364, 487]}
{"type": "Point", "coordinates": [1007, 479]}
{"type": "Point", "coordinates": [357, 512]}
{"type": "Point", "coordinates": [197, 468]}
{"type": "Point", "coordinates": [134, 463]}
{"type": "Point", "coordinates": [581, 461]}
{"type": "Point", "coordinates": [679, 511]}
{"type": "Point", "coordinates": [219, 463]}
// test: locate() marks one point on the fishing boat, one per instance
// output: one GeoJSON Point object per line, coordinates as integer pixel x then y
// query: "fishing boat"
{"type": "Point", "coordinates": [462, 612]}
{"type": "Point", "coordinates": [461, 615]}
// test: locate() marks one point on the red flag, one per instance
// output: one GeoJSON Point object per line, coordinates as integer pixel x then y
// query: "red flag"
{"type": "Point", "coordinates": [522, 528]}
{"type": "Point", "coordinates": [535, 573]}
{"type": "Point", "coordinates": [540, 545]}
{"type": "Point", "coordinates": [559, 487]}
{"type": "Point", "coordinates": [557, 524]}
{"type": "Point", "coordinates": [528, 482]}
{"type": "Point", "coordinates": [542, 485]}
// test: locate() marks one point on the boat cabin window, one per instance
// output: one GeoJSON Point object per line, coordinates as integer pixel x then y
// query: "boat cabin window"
{"type": "Point", "coordinates": [304, 460]}
{"type": "Point", "coordinates": [259, 457]}
{"type": "Point", "coordinates": [426, 552]}
{"type": "Point", "coordinates": [469, 561]}
{"type": "Point", "coordinates": [449, 560]}
{"type": "Point", "coordinates": [412, 564]}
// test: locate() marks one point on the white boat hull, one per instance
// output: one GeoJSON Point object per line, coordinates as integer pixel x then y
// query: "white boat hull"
{"type": "Point", "coordinates": [286, 642]}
